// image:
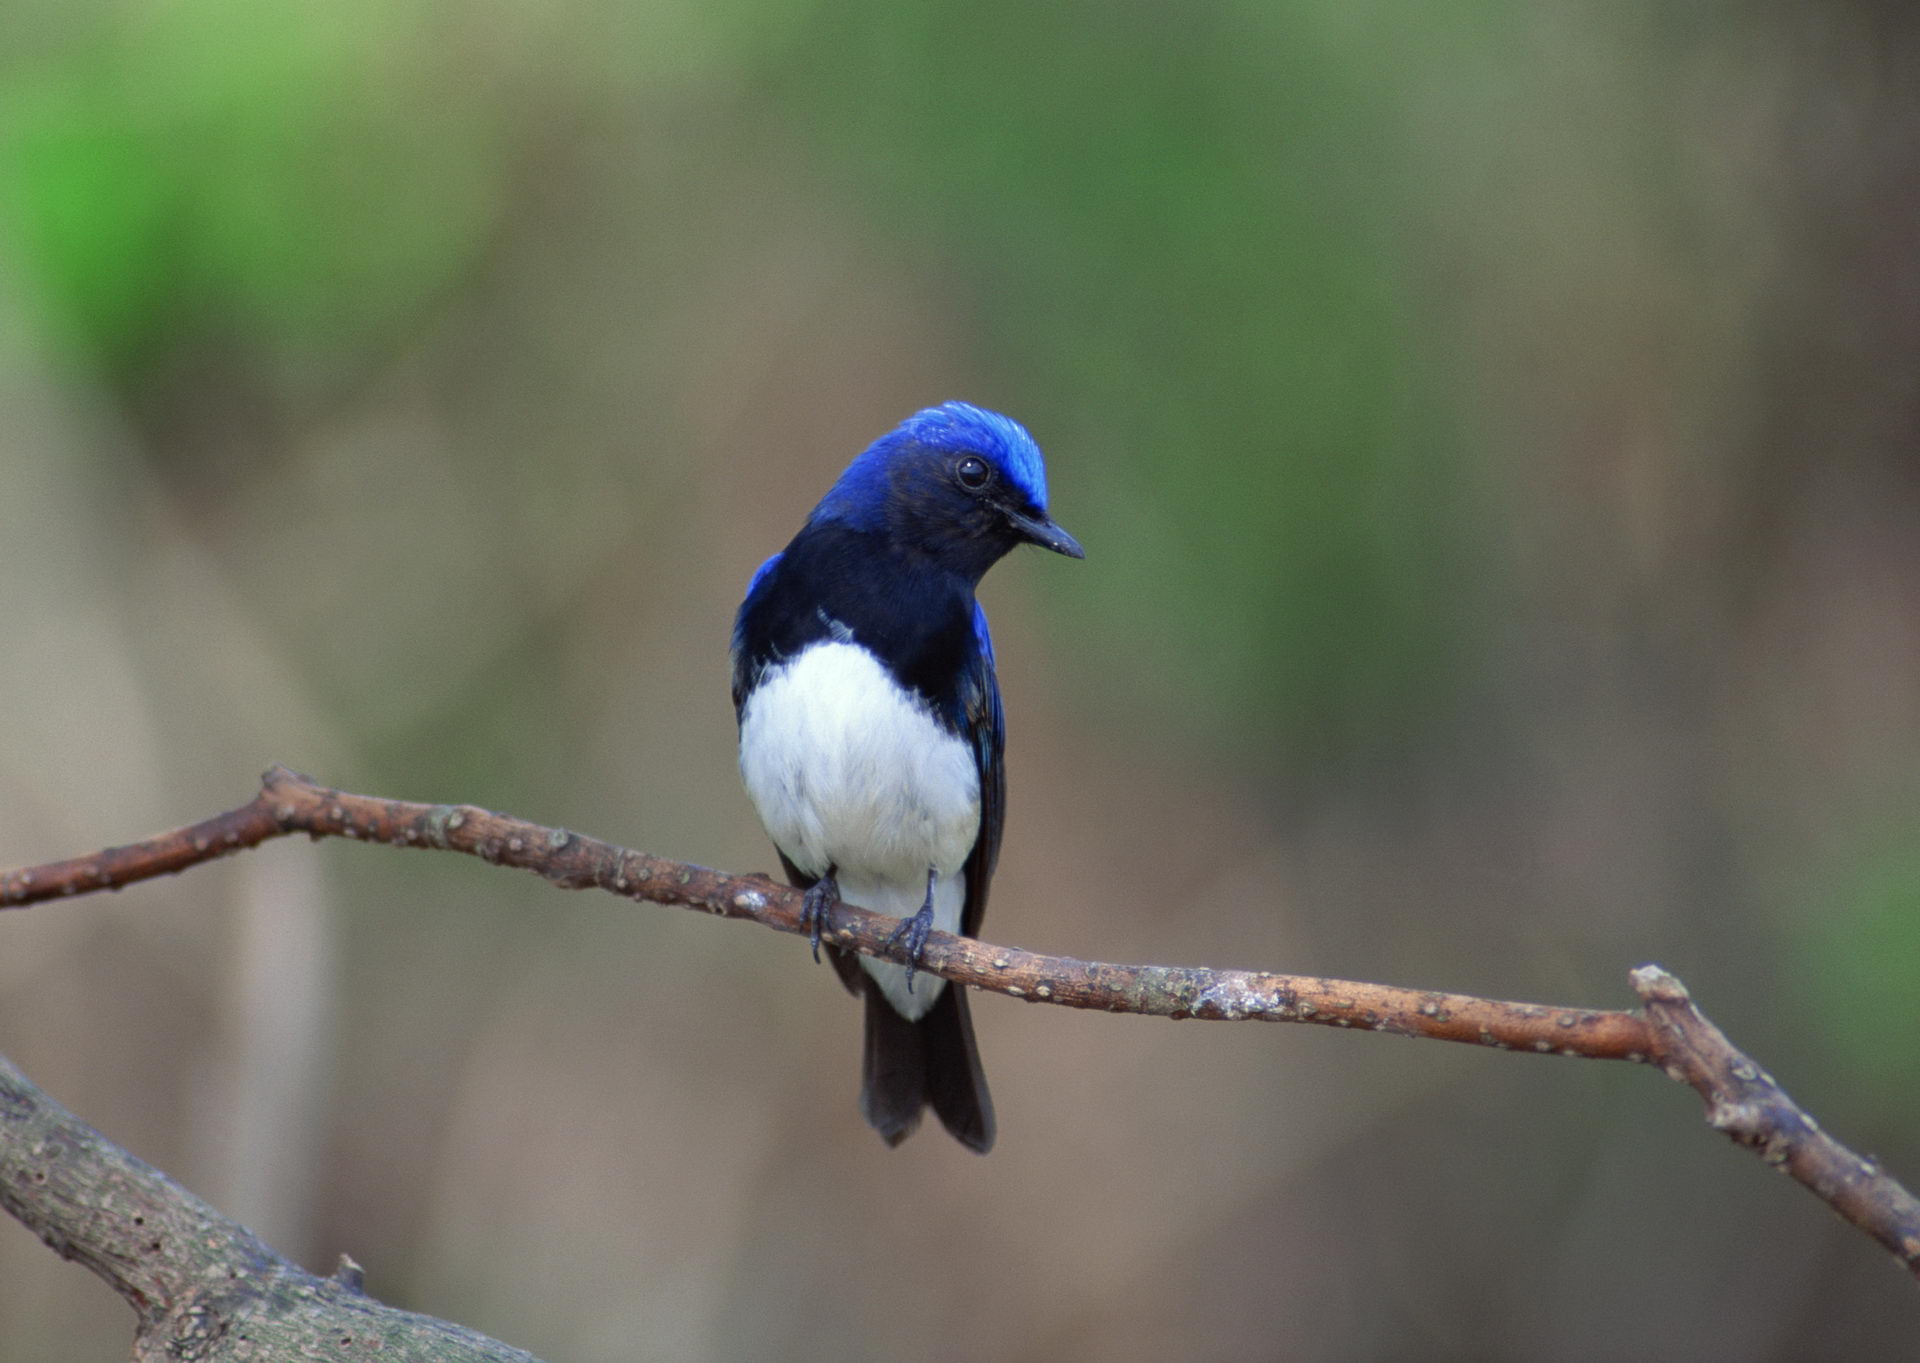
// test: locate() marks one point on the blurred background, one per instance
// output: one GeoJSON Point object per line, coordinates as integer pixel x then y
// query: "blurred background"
{"type": "Point", "coordinates": [1493, 431]}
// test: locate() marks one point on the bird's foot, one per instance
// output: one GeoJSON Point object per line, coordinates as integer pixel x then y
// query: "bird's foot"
{"type": "Point", "coordinates": [816, 905]}
{"type": "Point", "coordinates": [913, 931]}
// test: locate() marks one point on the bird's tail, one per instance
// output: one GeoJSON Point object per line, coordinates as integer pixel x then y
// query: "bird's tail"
{"type": "Point", "coordinates": [908, 1065]}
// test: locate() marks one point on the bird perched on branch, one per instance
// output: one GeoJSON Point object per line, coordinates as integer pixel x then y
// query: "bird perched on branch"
{"type": "Point", "coordinates": [871, 732]}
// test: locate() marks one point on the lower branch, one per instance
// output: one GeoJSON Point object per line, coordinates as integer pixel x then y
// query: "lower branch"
{"type": "Point", "coordinates": [1742, 1100]}
{"type": "Point", "coordinates": [202, 1287]}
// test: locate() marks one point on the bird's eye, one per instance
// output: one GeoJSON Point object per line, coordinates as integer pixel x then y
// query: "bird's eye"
{"type": "Point", "coordinates": [972, 472]}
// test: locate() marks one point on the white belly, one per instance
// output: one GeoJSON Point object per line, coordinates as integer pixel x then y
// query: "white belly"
{"type": "Point", "coordinates": [850, 771]}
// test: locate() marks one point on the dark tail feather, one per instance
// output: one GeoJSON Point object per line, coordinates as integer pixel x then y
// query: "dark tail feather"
{"type": "Point", "coordinates": [910, 1064]}
{"type": "Point", "coordinates": [893, 1074]}
{"type": "Point", "coordinates": [956, 1086]}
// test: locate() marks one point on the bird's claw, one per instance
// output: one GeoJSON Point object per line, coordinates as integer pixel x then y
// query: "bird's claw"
{"type": "Point", "coordinates": [815, 907]}
{"type": "Point", "coordinates": [913, 932]}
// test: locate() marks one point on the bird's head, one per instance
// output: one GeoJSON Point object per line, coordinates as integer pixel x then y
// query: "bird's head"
{"type": "Point", "coordinates": [956, 483]}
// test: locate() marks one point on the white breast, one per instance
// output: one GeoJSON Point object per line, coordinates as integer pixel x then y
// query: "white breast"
{"type": "Point", "coordinates": [850, 770]}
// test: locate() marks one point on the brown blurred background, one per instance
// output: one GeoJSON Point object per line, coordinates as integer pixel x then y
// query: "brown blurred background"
{"type": "Point", "coordinates": [1493, 430]}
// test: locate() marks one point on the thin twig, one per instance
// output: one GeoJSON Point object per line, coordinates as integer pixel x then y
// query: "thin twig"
{"type": "Point", "coordinates": [1741, 1099]}
{"type": "Point", "coordinates": [1749, 1106]}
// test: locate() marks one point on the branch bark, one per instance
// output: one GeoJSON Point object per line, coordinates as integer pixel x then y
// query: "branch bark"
{"type": "Point", "coordinates": [202, 1287]}
{"type": "Point", "coordinates": [1742, 1100]}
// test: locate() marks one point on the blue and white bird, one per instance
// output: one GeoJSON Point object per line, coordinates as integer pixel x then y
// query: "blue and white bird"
{"type": "Point", "coordinates": [871, 732]}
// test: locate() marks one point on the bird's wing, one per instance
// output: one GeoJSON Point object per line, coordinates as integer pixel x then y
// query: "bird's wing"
{"type": "Point", "coordinates": [986, 728]}
{"type": "Point", "coordinates": [744, 662]}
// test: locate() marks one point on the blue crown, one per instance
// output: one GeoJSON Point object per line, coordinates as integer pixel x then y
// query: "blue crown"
{"type": "Point", "coordinates": [960, 426]}
{"type": "Point", "coordinates": [955, 427]}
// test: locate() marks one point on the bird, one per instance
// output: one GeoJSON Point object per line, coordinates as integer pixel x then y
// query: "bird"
{"type": "Point", "coordinates": [871, 730]}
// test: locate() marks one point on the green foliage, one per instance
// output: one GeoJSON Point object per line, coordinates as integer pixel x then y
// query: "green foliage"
{"type": "Point", "coordinates": [290, 173]}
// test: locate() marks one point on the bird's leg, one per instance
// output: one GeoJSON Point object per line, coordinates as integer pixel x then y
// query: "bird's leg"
{"type": "Point", "coordinates": [915, 929]}
{"type": "Point", "coordinates": [816, 904]}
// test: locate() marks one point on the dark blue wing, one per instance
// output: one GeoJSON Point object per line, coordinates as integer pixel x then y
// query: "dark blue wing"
{"type": "Point", "coordinates": [747, 657]}
{"type": "Point", "coordinates": [986, 729]}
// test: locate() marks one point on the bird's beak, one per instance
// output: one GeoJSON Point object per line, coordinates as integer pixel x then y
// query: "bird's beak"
{"type": "Point", "coordinates": [1042, 531]}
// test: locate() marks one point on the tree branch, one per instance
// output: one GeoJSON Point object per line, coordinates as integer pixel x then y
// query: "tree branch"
{"type": "Point", "coordinates": [1742, 1099]}
{"type": "Point", "coordinates": [201, 1286]}
{"type": "Point", "coordinates": [1750, 1107]}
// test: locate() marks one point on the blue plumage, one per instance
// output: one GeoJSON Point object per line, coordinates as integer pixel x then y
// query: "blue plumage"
{"type": "Point", "coordinates": [861, 495]}
{"type": "Point", "coordinates": [871, 733]}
